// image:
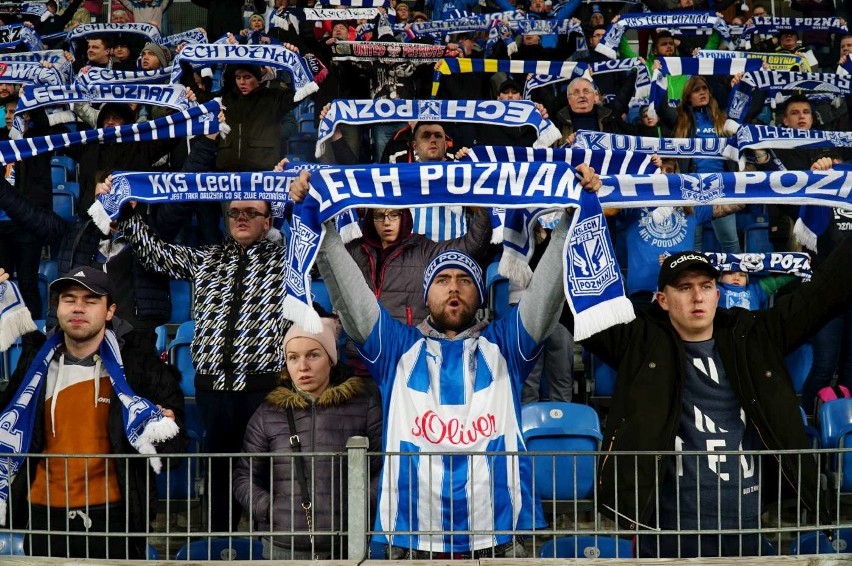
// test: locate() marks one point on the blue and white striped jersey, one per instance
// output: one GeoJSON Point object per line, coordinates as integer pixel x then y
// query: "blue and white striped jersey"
{"type": "Point", "coordinates": [439, 223]}
{"type": "Point", "coordinates": [444, 401]}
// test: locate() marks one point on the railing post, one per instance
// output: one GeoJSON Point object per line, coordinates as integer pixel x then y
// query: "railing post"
{"type": "Point", "coordinates": [358, 487]}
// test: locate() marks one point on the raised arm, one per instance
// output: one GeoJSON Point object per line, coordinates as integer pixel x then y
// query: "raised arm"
{"type": "Point", "coordinates": [541, 304]}
{"type": "Point", "coordinates": [178, 262]}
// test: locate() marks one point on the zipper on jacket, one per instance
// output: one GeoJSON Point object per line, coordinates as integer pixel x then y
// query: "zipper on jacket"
{"type": "Point", "coordinates": [239, 142]}
{"type": "Point", "coordinates": [233, 315]}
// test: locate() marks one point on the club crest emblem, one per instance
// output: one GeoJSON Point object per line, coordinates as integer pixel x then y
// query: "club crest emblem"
{"type": "Point", "coordinates": [429, 110]}
{"type": "Point", "coordinates": [703, 189]}
{"type": "Point", "coordinates": [120, 192]}
{"type": "Point", "coordinates": [593, 267]}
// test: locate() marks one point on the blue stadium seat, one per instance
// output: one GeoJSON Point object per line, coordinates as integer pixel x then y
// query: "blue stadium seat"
{"type": "Point", "coordinates": [587, 546]}
{"type": "Point", "coordinates": [182, 478]}
{"type": "Point", "coordinates": [67, 164]}
{"type": "Point", "coordinates": [58, 175]}
{"type": "Point", "coordinates": [562, 427]}
{"type": "Point", "coordinates": [799, 363]}
{"type": "Point", "coordinates": [320, 294]}
{"type": "Point", "coordinates": [302, 145]}
{"type": "Point", "coordinates": [222, 549]}
{"type": "Point", "coordinates": [604, 376]}
{"type": "Point", "coordinates": [11, 544]}
{"type": "Point", "coordinates": [818, 543]}
{"type": "Point", "coordinates": [48, 270]}
{"type": "Point", "coordinates": [180, 357]}
{"type": "Point", "coordinates": [64, 204]}
{"type": "Point", "coordinates": [306, 125]}
{"type": "Point", "coordinates": [378, 550]}
{"type": "Point", "coordinates": [757, 238]}
{"type": "Point", "coordinates": [151, 553]}
{"type": "Point", "coordinates": [162, 344]}
{"type": "Point", "coordinates": [180, 292]}
{"type": "Point", "coordinates": [497, 289]}
{"type": "Point", "coordinates": [69, 187]}
{"type": "Point", "coordinates": [811, 432]}
{"type": "Point", "coordinates": [835, 419]}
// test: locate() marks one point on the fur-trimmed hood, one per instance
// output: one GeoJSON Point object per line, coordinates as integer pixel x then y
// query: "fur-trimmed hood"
{"type": "Point", "coordinates": [284, 397]}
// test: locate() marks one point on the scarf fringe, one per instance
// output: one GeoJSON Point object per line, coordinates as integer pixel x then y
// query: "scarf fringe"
{"type": "Point", "coordinates": [350, 232]}
{"type": "Point", "coordinates": [303, 315]}
{"type": "Point", "coordinates": [548, 137]}
{"type": "Point", "coordinates": [100, 217]}
{"type": "Point", "coordinates": [497, 234]}
{"type": "Point", "coordinates": [515, 268]}
{"type": "Point", "coordinates": [305, 91]}
{"type": "Point", "coordinates": [3, 510]}
{"type": "Point", "coordinates": [15, 323]}
{"type": "Point", "coordinates": [602, 316]}
{"type": "Point", "coordinates": [804, 235]}
{"type": "Point", "coordinates": [158, 431]}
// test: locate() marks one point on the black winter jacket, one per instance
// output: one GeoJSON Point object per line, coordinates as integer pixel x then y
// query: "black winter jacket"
{"type": "Point", "coordinates": [148, 377]}
{"type": "Point", "coordinates": [340, 412]}
{"type": "Point", "coordinates": [78, 245]}
{"type": "Point", "coordinates": [646, 405]}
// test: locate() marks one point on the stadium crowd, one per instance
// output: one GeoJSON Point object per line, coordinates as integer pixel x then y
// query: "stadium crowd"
{"type": "Point", "coordinates": [413, 350]}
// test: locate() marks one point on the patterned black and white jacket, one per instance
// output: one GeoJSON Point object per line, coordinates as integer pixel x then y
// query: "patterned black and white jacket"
{"type": "Point", "coordinates": [239, 314]}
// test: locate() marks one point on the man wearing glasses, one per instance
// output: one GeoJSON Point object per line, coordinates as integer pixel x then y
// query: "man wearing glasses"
{"type": "Point", "coordinates": [238, 347]}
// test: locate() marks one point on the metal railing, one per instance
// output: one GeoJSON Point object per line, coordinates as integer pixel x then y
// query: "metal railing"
{"type": "Point", "coordinates": [344, 507]}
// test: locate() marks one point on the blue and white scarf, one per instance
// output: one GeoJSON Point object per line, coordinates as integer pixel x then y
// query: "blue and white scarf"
{"type": "Point", "coordinates": [144, 423]}
{"type": "Point", "coordinates": [707, 148]}
{"type": "Point", "coordinates": [568, 69]}
{"type": "Point", "coordinates": [642, 85]}
{"type": "Point", "coordinates": [780, 81]}
{"type": "Point", "coordinates": [33, 72]}
{"type": "Point", "coordinates": [15, 318]}
{"type": "Point", "coordinates": [38, 9]}
{"type": "Point", "coordinates": [678, 66]}
{"type": "Point", "coordinates": [276, 56]}
{"type": "Point", "coordinates": [190, 36]}
{"type": "Point", "coordinates": [685, 21]}
{"type": "Point", "coordinates": [53, 56]}
{"type": "Point", "coordinates": [359, 3]}
{"type": "Point", "coordinates": [775, 61]}
{"type": "Point", "coordinates": [199, 120]}
{"type": "Point", "coordinates": [592, 276]}
{"type": "Point", "coordinates": [148, 32]}
{"type": "Point", "coordinates": [14, 35]}
{"type": "Point", "coordinates": [170, 96]}
{"type": "Point", "coordinates": [383, 110]}
{"type": "Point", "coordinates": [788, 263]}
{"type": "Point", "coordinates": [770, 25]}
{"type": "Point", "coordinates": [101, 75]}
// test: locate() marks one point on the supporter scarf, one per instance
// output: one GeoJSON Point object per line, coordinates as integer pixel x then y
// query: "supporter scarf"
{"type": "Point", "coordinates": [592, 280]}
{"type": "Point", "coordinates": [195, 121]}
{"type": "Point", "coordinates": [676, 66]}
{"type": "Point", "coordinates": [641, 87]}
{"type": "Point", "coordinates": [190, 36]}
{"type": "Point", "coordinates": [148, 31]}
{"type": "Point", "coordinates": [522, 68]}
{"type": "Point", "coordinates": [466, 24]}
{"type": "Point", "coordinates": [53, 56]}
{"type": "Point", "coordinates": [498, 31]}
{"type": "Point", "coordinates": [144, 423]}
{"type": "Point", "coordinates": [276, 56]}
{"type": "Point", "coordinates": [770, 25]}
{"type": "Point", "coordinates": [789, 263]}
{"type": "Point", "coordinates": [170, 96]}
{"type": "Point", "coordinates": [33, 72]}
{"type": "Point", "coordinates": [707, 148]}
{"type": "Point", "coordinates": [383, 110]}
{"type": "Point", "coordinates": [779, 81]}
{"type": "Point", "coordinates": [14, 35]}
{"type": "Point", "coordinates": [15, 319]}
{"type": "Point", "coordinates": [387, 52]}
{"type": "Point", "coordinates": [321, 14]}
{"type": "Point", "coordinates": [685, 21]}
{"type": "Point", "coordinates": [37, 9]}
{"type": "Point", "coordinates": [359, 3]}
{"type": "Point", "coordinates": [775, 61]}
{"type": "Point", "coordinates": [101, 75]}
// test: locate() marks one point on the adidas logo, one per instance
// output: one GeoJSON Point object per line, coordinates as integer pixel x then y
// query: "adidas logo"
{"type": "Point", "coordinates": [79, 274]}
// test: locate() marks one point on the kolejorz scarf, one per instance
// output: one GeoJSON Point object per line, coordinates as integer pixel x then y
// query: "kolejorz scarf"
{"type": "Point", "coordinates": [707, 148]}
{"type": "Point", "coordinates": [593, 282]}
{"type": "Point", "coordinates": [15, 319]}
{"type": "Point", "coordinates": [199, 120]}
{"type": "Point", "coordinates": [276, 56]}
{"type": "Point", "coordinates": [12, 36]}
{"type": "Point", "coordinates": [685, 21]}
{"type": "Point", "coordinates": [789, 263]}
{"type": "Point", "coordinates": [383, 110]}
{"type": "Point", "coordinates": [144, 423]}
{"type": "Point", "coordinates": [641, 87]}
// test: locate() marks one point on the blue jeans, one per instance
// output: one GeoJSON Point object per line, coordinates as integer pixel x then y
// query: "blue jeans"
{"type": "Point", "coordinates": [832, 346]}
{"type": "Point", "coordinates": [726, 233]}
{"type": "Point", "coordinates": [382, 134]}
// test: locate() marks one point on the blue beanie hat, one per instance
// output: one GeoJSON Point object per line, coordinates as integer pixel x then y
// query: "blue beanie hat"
{"type": "Point", "coordinates": [453, 259]}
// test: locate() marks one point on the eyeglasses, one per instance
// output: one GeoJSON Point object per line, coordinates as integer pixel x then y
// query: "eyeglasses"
{"type": "Point", "coordinates": [250, 213]}
{"type": "Point", "coordinates": [392, 216]}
